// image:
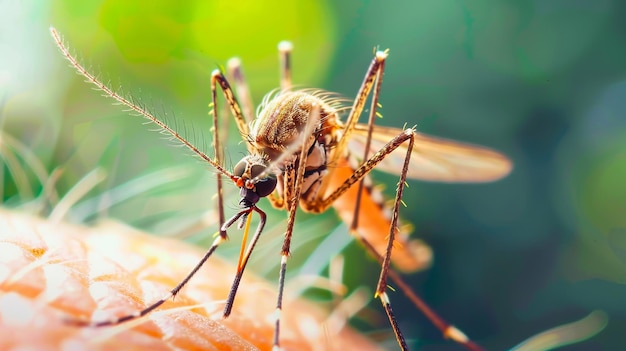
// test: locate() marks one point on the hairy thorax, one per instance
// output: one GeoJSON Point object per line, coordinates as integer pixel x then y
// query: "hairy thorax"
{"type": "Point", "coordinates": [285, 124]}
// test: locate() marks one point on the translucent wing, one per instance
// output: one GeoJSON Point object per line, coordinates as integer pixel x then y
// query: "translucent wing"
{"type": "Point", "coordinates": [434, 159]}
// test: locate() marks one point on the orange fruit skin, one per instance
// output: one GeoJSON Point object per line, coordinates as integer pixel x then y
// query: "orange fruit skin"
{"type": "Point", "coordinates": [54, 272]}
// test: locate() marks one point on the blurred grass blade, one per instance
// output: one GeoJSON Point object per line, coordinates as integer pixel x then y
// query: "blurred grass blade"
{"type": "Point", "coordinates": [125, 191]}
{"type": "Point", "coordinates": [79, 190]}
{"type": "Point", "coordinates": [566, 334]}
{"type": "Point", "coordinates": [11, 150]}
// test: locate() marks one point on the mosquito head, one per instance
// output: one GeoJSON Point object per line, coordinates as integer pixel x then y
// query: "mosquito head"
{"type": "Point", "coordinates": [253, 179]}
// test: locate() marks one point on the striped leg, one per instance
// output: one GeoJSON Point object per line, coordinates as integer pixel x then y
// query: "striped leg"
{"type": "Point", "coordinates": [293, 178]}
{"type": "Point", "coordinates": [448, 330]}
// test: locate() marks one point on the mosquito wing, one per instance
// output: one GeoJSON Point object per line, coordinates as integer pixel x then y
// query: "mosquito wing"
{"type": "Point", "coordinates": [434, 159]}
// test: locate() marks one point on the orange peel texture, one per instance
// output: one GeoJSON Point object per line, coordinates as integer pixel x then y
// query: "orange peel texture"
{"type": "Point", "coordinates": [52, 272]}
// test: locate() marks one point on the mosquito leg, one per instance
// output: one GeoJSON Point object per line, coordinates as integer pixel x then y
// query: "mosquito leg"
{"type": "Point", "coordinates": [241, 88]}
{"type": "Point", "coordinates": [292, 206]}
{"type": "Point", "coordinates": [218, 78]}
{"type": "Point", "coordinates": [368, 142]}
{"type": "Point", "coordinates": [294, 176]}
{"type": "Point", "coordinates": [359, 102]}
{"type": "Point", "coordinates": [284, 55]}
{"type": "Point", "coordinates": [242, 124]}
{"type": "Point", "coordinates": [242, 266]}
{"type": "Point", "coordinates": [448, 330]}
{"type": "Point", "coordinates": [217, 156]}
{"type": "Point", "coordinates": [381, 290]}
{"type": "Point", "coordinates": [365, 168]}
{"type": "Point", "coordinates": [357, 176]}
{"type": "Point", "coordinates": [376, 65]}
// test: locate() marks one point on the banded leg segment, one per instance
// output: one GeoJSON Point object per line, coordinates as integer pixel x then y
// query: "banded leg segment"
{"type": "Point", "coordinates": [407, 136]}
{"type": "Point", "coordinates": [368, 141]}
{"type": "Point", "coordinates": [366, 167]}
{"type": "Point", "coordinates": [375, 67]}
{"type": "Point", "coordinates": [448, 330]}
{"type": "Point", "coordinates": [381, 290]}
{"type": "Point", "coordinates": [243, 261]}
{"type": "Point", "coordinates": [294, 176]}
{"type": "Point", "coordinates": [217, 77]}
{"type": "Point", "coordinates": [217, 154]}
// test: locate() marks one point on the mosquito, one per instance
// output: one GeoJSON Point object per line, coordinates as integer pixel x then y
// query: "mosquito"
{"type": "Point", "coordinates": [300, 154]}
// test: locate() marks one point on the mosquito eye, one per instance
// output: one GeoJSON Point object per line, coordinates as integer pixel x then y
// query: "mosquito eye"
{"type": "Point", "coordinates": [240, 167]}
{"type": "Point", "coordinates": [257, 170]}
{"type": "Point", "coordinates": [266, 186]}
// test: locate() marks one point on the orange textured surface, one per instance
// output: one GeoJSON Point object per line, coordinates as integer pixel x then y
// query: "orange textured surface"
{"type": "Point", "coordinates": [52, 271]}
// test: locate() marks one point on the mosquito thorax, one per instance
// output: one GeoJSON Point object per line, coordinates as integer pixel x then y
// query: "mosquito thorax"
{"type": "Point", "coordinates": [283, 118]}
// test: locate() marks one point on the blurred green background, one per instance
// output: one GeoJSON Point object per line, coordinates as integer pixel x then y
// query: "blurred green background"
{"type": "Point", "coordinates": [542, 81]}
